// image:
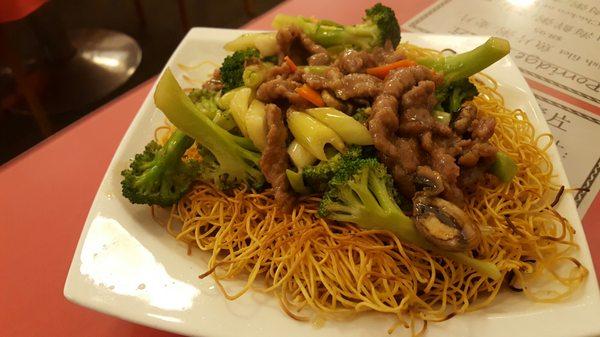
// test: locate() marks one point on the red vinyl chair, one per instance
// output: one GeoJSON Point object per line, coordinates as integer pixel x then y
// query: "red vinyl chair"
{"type": "Point", "coordinates": [78, 67]}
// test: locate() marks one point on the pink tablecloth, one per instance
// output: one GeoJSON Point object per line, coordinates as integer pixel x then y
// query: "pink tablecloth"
{"type": "Point", "coordinates": [45, 195]}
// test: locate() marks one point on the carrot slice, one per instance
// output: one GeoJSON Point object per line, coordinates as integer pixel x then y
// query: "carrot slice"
{"type": "Point", "coordinates": [310, 95]}
{"type": "Point", "coordinates": [290, 63]}
{"type": "Point", "coordinates": [382, 71]}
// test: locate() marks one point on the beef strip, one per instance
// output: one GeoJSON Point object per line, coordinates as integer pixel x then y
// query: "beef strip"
{"type": "Point", "coordinates": [295, 44]}
{"type": "Point", "coordinates": [401, 80]}
{"type": "Point", "coordinates": [319, 59]}
{"type": "Point", "coordinates": [471, 177]}
{"type": "Point", "coordinates": [482, 128]}
{"type": "Point", "coordinates": [442, 151]}
{"type": "Point", "coordinates": [406, 135]}
{"type": "Point", "coordinates": [274, 160]}
{"type": "Point", "coordinates": [279, 89]}
{"type": "Point", "coordinates": [417, 103]}
{"type": "Point", "coordinates": [400, 155]}
{"type": "Point", "coordinates": [357, 85]}
{"type": "Point", "coordinates": [386, 54]}
{"type": "Point", "coordinates": [343, 86]}
{"type": "Point", "coordinates": [354, 61]}
{"type": "Point", "coordinates": [445, 164]}
{"type": "Point", "coordinates": [475, 152]}
{"type": "Point", "coordinates": [282, 71]}
{"type": "Point", "coordinates": [466, 114]}
{"type": "Point", "coordinates": [384, 124]}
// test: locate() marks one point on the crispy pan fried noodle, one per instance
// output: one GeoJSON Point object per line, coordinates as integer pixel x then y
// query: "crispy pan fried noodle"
{"type": "Point", "coordinates": [319, 268]}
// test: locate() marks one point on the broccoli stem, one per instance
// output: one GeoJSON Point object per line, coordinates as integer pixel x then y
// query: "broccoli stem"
{"type": "Point", "coordinates": [159, 176]}
{"type": "Point", "coordinates": [319, 70]}
{"type": "Point", "coordinates": [361, 193]}
{"type": "Point", "coordinates": [460, 66]}
{"type": "Point", "coordinates": [176, 146]}
{"type": "Point", "coordinates": [482, 267]}
{"type": "Point", "coordinates": [396, 221]}
{"type": "Point", "coordinates": [378, 26]}
{"type": "Point", "coordinates": [235, 154]}
{"type": "Point", "coordinates": [170, 154]}
{"type": "Point", "coordinates": [406, 232]}
{"type": "Point", "coordinates": [403, 227]}
{"type": "Point", "coordinates": [326, 35]}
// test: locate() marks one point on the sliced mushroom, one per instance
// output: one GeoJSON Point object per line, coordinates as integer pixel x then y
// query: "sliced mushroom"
{"type": "Point", "coordinates": [444, 224]}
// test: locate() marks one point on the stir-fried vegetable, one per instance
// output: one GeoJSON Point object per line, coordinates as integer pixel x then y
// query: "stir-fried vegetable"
{"type": "Point", "coordinates": [290, 63]}
{"type": "Point", "coordinates": [379, 25]}
{"type": "Point", "coordinates": [296, 182]}
{"type": "Point", "coordinates": [361, 192]}
{"type": "Point", "coordinates": [330, 145]}
{"type": "Point", "coordinates": [457, 69]}
{"type": "Point", "coordinates": [457, 93]}
{"type": "Point", "coordinates": [310, 95]}
{"type": "Point", "coordinates": [461, 66]}
{"type": "Point", "coordinates": [232, 69]}
{"type": "Point", "coordinates": [317, 177]}
{"type": "Point", "coordinates": [349, 129]}
{"type": "Point", "coordinates": [265, 43]}
{"type": "Point", "coordinates": [383, 71]}
{"type": "Point", "coordinates": [255, 74]}
{"type": "Point", "coordinates": [504, 167]}
{"type": "Point", "coordinates": [256, 124]}
{"type": "Point", "coordinates": [159, 176]}
{"type": "Point", "coordinates": [442, 117]}
{"type": "Point", "coordinates": [312, 134]}
{"type": "Point", "coordinates": [208, 103]}
{"type": "Point", "coordinates": [299, 155]}
{"type": "Point", "coordinates": [238, 106]}
{"type": "Point", "coordinates": [237, 157]}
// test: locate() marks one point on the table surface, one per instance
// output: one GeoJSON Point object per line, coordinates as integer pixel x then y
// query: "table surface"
{"type": "Point", "coordinates": [45, 195]}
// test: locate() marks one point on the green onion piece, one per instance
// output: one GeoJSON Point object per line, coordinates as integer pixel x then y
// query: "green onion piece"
{"type": "Point", "coordinates": [504, 167]}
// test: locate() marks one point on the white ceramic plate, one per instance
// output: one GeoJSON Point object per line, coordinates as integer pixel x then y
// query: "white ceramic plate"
{"type": "Point", "coordinates": [128, 266]}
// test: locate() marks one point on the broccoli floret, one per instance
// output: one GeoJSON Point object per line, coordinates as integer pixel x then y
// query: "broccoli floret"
{"type": "Point", "coordinates": [317, 177]}
{"type": "Point", "coordinates": [385, 19]}
{"type": "Point", "coordinates": [362, 114]}
{"type": "Point", "coordinates": [378, 26]}
{"type": "Point", "coordinates": [210, 171]}
{"type": "Point", "coordinates": [232, 68]}
{"type": "Point", "coordinates": [361, 192]}
{"type": "Point", "coordinates": [237, 157]}
{"type": "Point", "coordinates": [457, 69]}
{"type": "Point", "coordinates": [159, 176]}
{"type": "Point", "coordinates": [254, 75]}
{"type": "Point", "coordinates": [206, 101]}
{"type": "Point", "coordinates": [461, 66]}
{"type": "Point", "coordinates": [454, 94]}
